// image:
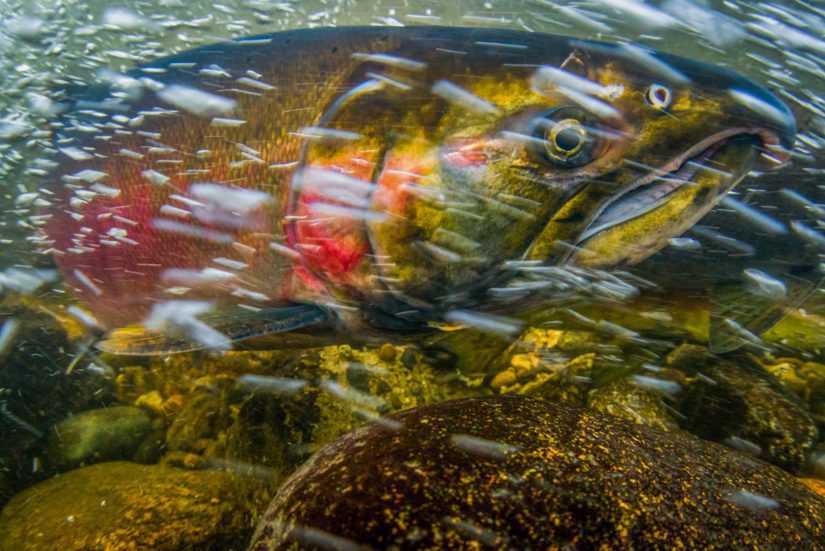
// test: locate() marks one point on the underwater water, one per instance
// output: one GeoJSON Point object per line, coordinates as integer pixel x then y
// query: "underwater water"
{"type": "Point", "coordinates": [345, 275]}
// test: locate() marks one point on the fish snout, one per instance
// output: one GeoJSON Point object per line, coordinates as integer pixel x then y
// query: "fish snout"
{"type": "Point", "coordinates": [759, 112]}
{"type": "Point", "coordinates": [757, 108]}
{"type": "Point", "coordinates": [746, 105]}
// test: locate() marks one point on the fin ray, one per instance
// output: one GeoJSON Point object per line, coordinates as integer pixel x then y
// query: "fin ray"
{"type": "Point", "coordinates": [752, 313]}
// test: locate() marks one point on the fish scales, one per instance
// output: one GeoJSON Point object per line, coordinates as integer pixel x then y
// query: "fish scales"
{"type": "Point", "coordinates": [313, 78]}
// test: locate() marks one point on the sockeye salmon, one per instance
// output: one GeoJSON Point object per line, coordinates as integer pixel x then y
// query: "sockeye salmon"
{"type": "Point", "coordinates": [374, 179]}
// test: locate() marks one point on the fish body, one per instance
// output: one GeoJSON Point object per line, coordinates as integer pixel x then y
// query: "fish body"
{"type": "Point", "coordinates": [387, 176]}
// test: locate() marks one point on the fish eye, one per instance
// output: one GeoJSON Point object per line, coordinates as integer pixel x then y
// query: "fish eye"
{"type": "Point", "coordinates": [658, 96]}
{"type": "Point", "coordinates": [564, 137]}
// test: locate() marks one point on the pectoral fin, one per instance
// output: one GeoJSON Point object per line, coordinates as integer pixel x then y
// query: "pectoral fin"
{"type": "Point", "coordinates": [227, 325]}
{"type": "Point", "coordinates": [738, 316]}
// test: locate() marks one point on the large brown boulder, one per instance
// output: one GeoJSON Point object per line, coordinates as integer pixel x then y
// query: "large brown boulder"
{"type": "Point", "coordinates": [521, 472]}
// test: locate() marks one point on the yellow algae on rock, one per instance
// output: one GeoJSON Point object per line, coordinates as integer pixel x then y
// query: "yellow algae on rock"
{"type": "Point", "coordinates": [805, 378]}
{"type": "Point", "coordinates": [152, 401]}
{"type": "Point", "coordinates": [815, 484]}
{"type": "Point", "coordinates": [545, 362]}
{"type": "Point", "coordinates": [624, 399]}
{"type": "Point", "coordinates": [124, 506]}
{"type": "Point", "coordinates": [515, 472]}
{"type": "Point", "coordinates": [360, 385]}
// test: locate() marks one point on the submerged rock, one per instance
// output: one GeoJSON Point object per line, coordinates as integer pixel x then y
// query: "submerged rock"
{"type": "Point", "coordinates": [99, 435]}
{"type": "Point", "coordinates": [805, 378]}
{"type": "Point", "coordinates": [731, 401]}
{"type": "Point", "coordinates": [624, 399]}
{"type": "Point", "coordinates": [126, 506]}
{"type": "Point", "coordinates": [260, 415]}
{"type": "Point", "coordinates": [522, 472]}
{"type": "Point", "coordinates": [35, 390]}
{"type": "Point", "coordinates": [206, 413]}
{"type": "Point", "coordinates": [556, 365]}
{"type": "Point", "coordinates": [815, 484]}
{"type": "Point", "coordinates": [356, 385]}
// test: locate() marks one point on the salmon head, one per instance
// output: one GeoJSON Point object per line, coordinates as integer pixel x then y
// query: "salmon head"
{"type": "Point", "coordinates": [467, 149]}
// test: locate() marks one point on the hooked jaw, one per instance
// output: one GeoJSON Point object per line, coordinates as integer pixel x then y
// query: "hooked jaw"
{"type": "Point", "coordinates": [641, 218]}
{"type": "Point", "coordinates": [654, 188]}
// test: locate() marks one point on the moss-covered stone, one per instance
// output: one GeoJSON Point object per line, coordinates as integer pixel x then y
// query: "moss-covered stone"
{"type": "Point", "coordinates": [357, 385]}
{"type": "Point", "coordinates": [628, 401]}
{"type": "Point", "coordinates": [127, 507]}
{"type": "Point", "coordinates": [206, 413]}
{"type": "Point", "coordinates": [730, 400]}
{"type": "Point", "coordinates": [522, 472]}
{"type": "Point", "coordinates": [134, 381]}
{"type": "Point", "coordinates": [815, 484]}
{"type": "Point", "coordinates": [554, 364]}
{"type": "Point", "coordinates": [99, 435]}
{"type": "Point", "coordinates": [152, 447]}
{"type": "Point", "coordinates": [801, 329]}
{"type": "Point", "coordinates": [805, 378]}
{"type": "Point", "coordinates": [225, 421]}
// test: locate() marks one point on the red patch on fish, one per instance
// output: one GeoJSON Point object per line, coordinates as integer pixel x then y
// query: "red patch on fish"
{"type": "Point", "coordinates": [400, 182]}
{"type": "Point", "coordinates": [110, 242]}
{"type": "Point", "coordinates": [116, 243]}
{"type": "Point", "coordinates": [329, 229]}
{"type": "Point", "coordinates": [328, 242]}
{"type": "Point", "coordinates": [467, 152]}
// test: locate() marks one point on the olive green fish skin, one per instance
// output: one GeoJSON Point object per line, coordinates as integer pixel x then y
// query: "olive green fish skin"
{"type": "Point", "coordinates": [535, 475]}
{"type": "Point", "coordinates": [442, 135]}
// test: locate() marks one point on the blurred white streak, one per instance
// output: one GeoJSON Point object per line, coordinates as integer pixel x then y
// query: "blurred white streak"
{"type": "Point", "coordinates": [764, 285]}
{"type": "Point", "coordinates": [656, 385]}
{"type": "Point", "coordinates": [757, 218]}
{"type": "Point", "coordinates": [278, 386]}
{"type": "Point", "coordinates": [487, 449]}
{"type": "Point", "coordinates": [743, 445]}
{"type": "Point", "coordinates": [7, 333]}
{"type": "Point", "coordinates": [486, 323]}
{"type": "Point", "coordinates": [650, 62]}
{"type": "Point", "coordinates": [178, 318]}
{"type": "Point", "coordinates": [753, 502]}
{"type": "Point", "coordinates": [352, 396]}
{"type": "Point", "coordinates": [391, 61]}
{"type": "Point", "coordinates": [759, 106]}
{"type": "Point", "coordinates": [645, 14]}
{"type": "Point", "coordinates": [197, 102]}
{"type": "Point", "coordinates": [457, 95]}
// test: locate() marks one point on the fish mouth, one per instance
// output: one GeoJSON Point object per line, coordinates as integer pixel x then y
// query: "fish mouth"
{"type": "Point", "coordinates": [660, 184]}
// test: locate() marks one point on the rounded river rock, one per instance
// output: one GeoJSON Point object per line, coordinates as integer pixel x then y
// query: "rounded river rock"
{"type": "Point", "coordinates": [99, 435]}
{"type": "Point", "coordinates": [526, 473]}
{"type": "Point", "coordinates": [121, 506]}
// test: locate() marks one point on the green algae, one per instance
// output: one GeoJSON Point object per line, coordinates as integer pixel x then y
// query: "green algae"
{"type": "Point", "coordinates": [99, 435]}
